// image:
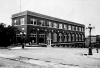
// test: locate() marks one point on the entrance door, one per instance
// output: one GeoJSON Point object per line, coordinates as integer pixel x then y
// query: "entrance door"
{"type": "Point", "coordinates": [41, 38]}
{"type": "Point", "coordinates": [18, 39]}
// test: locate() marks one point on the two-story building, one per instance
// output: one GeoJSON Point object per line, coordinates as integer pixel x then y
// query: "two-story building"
{"type": "Point", "coordinates": [41, 28]}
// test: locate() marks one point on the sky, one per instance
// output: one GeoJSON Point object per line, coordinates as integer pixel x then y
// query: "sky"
{"type": "Point", "coordinates": [80, 11]}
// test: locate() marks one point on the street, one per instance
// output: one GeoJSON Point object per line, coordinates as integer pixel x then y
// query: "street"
{"type": "Point", "coordinates": [54, 57]}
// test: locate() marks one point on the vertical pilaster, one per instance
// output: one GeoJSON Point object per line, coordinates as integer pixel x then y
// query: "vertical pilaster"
{"type": "Point", "coordinates": [37, 38]}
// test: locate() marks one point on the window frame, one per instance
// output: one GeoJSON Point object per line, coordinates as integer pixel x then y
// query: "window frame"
{"type": "Point", "coordinates": [33, 20]}
{"type": "Point", "coordinates": [60, 26]}
{"type": "Point", "coordinates": [22, 21]}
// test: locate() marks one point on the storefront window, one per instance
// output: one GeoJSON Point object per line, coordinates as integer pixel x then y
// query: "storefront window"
{"type": "Point", "coordinates": [79, 37]}
{"type": "Point", "coordinates": [76, 37]}
{"type": "Point", "coordinates": [60, 37]}
{"type": "Point", "coordinates": [69, 37]}
{"type": "Point", "coordinates": [65, 38]}
{"type": "Point", "coordinates": [55, 37]}
{"type": "Point", "coordinates": [73, 37]}
{"type": "Point", "coordinates": [82, 37]}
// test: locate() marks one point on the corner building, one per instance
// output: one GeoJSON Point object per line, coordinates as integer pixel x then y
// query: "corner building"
{"type": "Point", "coordinates": [39, 28]}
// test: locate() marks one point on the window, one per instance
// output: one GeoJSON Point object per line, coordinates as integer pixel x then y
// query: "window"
{"type": "Point", "coordinates": [60, 26]}
{"type": "Point", "coordinates": [22, 20]}
{"type": "Point", "coordinates": [49, 24]}
{"type": "Point", "coordinates": [55, 37]}
{"type": "Point", "coordinates": [69, 37]}
{"type": "Point", "coordinates": [73, 37]}
{"type": "Point", "coordinates": [42, 23]}
{"type": "Point", "coordinates": [73, 28]}
{"type": "Point", "coordinates": [76, 28]}
{"type": "Point", "coordinates": [76, 37]}
{"type": "Point", "coordinates": [15, 22]}
{"type": "Point", "coordinates": [82, 29]}
{"type": "Point", "coordinates": [69, 27]}
{"type": "Point", "coordinates": [79, 37]}
{"type": "Point", "coordinates": [65, 26]}
{"type": "Point", "coordinates": [33, 21]}
{"type": "Point", "coordinates": [60, 37]}
{"type": "Point", "coordinates": [79, 28]}
{"type": "Point", "coordinates": [55, 25]}
{"type": "Point", "coordinates": [82, 37]}
{"type": "Point", "coordinates": [65, 38]}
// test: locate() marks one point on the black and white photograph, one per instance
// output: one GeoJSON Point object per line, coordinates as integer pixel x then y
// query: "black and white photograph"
{"type": "Point", "coordinates": [49, 34]}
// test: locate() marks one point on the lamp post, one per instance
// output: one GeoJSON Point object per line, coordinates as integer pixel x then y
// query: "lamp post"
{"type": "Point", "coordinates": [22, 39]}
{"type": "Point", "coordinates": [90, 47]}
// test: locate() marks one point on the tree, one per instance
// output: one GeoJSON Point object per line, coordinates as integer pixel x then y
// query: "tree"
{"type": "Point", "coordinates": [7, 35]}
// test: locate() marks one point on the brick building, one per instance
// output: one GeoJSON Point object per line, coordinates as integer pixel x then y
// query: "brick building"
{"type": "Point", "coordinates": [41, 28]}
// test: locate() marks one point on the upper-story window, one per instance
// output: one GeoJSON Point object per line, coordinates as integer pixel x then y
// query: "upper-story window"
{"type": "Point", "coordinates": [65, 26]}
{"type": "Point", "coordinates": [22, 21]}
{"type": "Point", "coordinates": [15, 22]}
{"type": "Point", "coordinates": [73, 27]}
{"type": "Point", "coordinates": [33, 21]}
{"type": "Point", "coordinates": [82, 29]}
{"type": "Point", "coordinates": [60, 26]}
{"type": "Point", "coordinates": [49, 23]}
{"type": "Point", "coordinates": [79, 28]}
{"type": "Point", "coordinates": [69, 27]}
{"type": "Point", "coordinates": [55, 25]}
{"type": "Point", "coordinates": [76, 28]}
{"type": "Point", "coordinates": [42, 23]}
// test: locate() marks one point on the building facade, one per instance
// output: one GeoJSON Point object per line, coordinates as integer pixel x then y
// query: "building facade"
{"type": "Point", "coordinates": [40, 29]}
{"type": "Point", "coordinates": [95, 41]}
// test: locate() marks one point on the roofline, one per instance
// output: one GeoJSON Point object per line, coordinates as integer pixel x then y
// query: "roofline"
{"type": "Point", "coordinates": [44, 16]}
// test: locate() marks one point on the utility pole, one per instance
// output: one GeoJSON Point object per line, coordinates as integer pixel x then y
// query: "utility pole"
{"type": "Point", "coordinates": [20, 5]}
{"type": "Point", "coordinates": [90, 47]}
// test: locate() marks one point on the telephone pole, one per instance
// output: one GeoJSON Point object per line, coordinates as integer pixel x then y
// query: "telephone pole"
{"type": "Point", "coordinates": [20, 5]}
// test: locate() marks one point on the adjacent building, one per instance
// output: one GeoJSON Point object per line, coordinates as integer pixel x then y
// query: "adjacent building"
{"type": "Point", "coordinates": [39, 29]}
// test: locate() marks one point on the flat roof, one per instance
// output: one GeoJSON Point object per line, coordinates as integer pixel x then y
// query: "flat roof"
{"type": "Point", "coordinates": [45, 17]}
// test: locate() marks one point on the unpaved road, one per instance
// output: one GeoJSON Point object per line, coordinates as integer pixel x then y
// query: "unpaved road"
{"type": "Point", "coordinates": [7, 63]}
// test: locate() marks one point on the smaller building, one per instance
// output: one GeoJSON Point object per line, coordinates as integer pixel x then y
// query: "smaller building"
{"type": "Point", "coordinates": [94, 40]}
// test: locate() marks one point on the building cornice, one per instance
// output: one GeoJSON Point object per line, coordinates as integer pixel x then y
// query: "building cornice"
{"type": "Point", "coordinates": [45, 17]}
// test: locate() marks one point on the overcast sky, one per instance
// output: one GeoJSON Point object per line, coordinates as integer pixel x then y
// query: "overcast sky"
{"type": "Point", "coordinates": [80, 11]}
